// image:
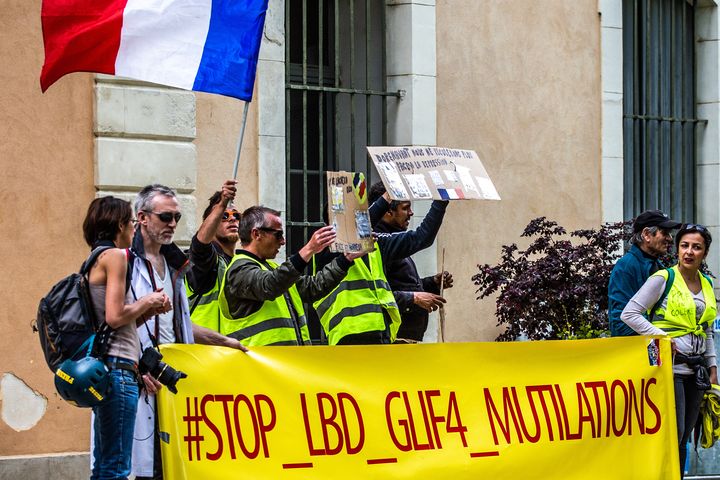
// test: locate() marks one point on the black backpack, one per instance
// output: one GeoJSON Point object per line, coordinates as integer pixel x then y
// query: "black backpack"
{"type": "Point", "coordinates": [66, 321]}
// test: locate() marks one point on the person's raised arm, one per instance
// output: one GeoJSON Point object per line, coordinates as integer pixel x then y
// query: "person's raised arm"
{"type": "Point", "coordinates": [203, 259]}
{"type": "Point", "coordinates": [378, 208]}
{"type": "Point", "coordinates": [246, 280]}
{"type": "Point", "coordinates": [206, 232]}
{"type": "Point", "coordinates": [401, 245]}
{"type": "Point", "coordinates": [321, 239]}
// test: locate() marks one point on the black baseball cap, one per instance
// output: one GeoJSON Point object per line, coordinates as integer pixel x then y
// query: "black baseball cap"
{"type": "Point", "coordinates": [654, 218]}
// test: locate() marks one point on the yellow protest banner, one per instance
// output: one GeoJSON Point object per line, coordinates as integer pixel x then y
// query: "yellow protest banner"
{"type": "Point", "coordinates": [563, 409]}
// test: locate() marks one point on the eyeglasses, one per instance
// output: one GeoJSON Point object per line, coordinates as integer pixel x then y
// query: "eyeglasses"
{"type": "Point", "coordinates": [279, 234]}
{"type": "Point", "coordinates": [134, 221]}
{"type": "Point", "coordinates": [694, 226]}
{"type": "Point", "coordinates": [228, 215]}
{"type": "Point", "coordinates": [167, 217]}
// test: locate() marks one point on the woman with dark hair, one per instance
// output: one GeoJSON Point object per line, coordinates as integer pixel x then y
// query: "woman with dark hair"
{"type": "Point", "coordinates": [109, 223]}
{"type": "Point", "coordinates": [686, 315]}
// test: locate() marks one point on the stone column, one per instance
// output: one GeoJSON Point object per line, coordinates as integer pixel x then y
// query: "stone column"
{"type": "Point", "coordinates": [411, 67]}
{"type": "Point", "coordinates": [611, 45]}
{"type": "Point", "coordinates": [270, 99]}
{"type": "Point", "coordinates": [708, 134]}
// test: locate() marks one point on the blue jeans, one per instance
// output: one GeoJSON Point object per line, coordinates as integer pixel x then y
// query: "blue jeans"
{"type": "Point", "coordinates": [114, 427]}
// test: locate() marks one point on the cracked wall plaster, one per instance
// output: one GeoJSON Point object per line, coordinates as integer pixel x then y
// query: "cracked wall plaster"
{"type": "Point", "coordinates": [22, 407]}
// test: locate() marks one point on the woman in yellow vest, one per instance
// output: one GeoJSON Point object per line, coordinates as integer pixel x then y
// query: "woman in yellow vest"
{"type": "Point", "coordinates": [685, 312]}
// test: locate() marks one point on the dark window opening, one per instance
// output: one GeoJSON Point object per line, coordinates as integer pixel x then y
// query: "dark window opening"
{"type": "Point", "coordinates": [335, 102]}
{"type": "Point", "coordinates": [659, 124]}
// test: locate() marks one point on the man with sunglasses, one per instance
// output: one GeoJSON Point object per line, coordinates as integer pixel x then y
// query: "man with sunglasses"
{"type": "Point", "coordinates": [157, 264]}
{"type": "Point", "coordinates": [650, 241]}
{"type": "Point", "coordinates": [211, 250]}
{"type": "Point", "coordinates": [261, 302]}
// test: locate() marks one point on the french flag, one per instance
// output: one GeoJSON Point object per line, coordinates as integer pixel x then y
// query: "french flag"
{"type": "Point", "coordinates": [203, 45]}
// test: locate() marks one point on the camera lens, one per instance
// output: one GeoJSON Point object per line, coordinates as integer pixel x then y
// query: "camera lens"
{"type": "Point", "coordinates": [169, 377]}
{"type": "Point", "coordinates": [151, 362]}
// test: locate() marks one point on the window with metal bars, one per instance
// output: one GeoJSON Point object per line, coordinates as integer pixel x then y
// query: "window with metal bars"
{"type": "Point", "coordinates": [659, 124]}
{"type": "Point", "coordinates": [335, 100]}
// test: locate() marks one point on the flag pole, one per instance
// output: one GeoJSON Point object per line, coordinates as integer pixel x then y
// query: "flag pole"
{"type": "Point", "coordinates": [240, 141]}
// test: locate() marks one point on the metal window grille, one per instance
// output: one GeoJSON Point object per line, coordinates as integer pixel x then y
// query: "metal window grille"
{"type": "Point", "coordinates": [659, 123]}
{"type": "Point", "coordinates": [335, 100]}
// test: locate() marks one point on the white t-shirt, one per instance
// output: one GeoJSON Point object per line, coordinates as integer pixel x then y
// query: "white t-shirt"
{"type": "Point", "coordinates": [167, 333]}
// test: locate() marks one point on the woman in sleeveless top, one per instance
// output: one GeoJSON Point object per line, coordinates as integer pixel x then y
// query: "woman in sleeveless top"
{"type": "Point", "coordinates": [109, 222]}
{"type": "Point", "coordinates": [686, 315]}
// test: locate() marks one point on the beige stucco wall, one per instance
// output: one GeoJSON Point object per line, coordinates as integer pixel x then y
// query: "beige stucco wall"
{"type": "Point", "coordinates": [518, 82]}
{"type": "Point", "coordinates": [46, 159]}
{"type": "Point", "coordinates": [46, 156]}
{"type": "Point", "coordinates": [218, 128]}
{"type": "Point", "coordinates": [526, 99]}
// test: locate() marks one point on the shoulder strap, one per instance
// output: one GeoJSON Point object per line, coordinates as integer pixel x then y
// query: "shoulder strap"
{"type": "Point", "coordinates": [130, 256]}
{"type": "Point", "coordinates": [668, 285]}
{"type": "Point", "coordinates": [87, 264]}
{"type": "Point", "coordinates": [96, 344]}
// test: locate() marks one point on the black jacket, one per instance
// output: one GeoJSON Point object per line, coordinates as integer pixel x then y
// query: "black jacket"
{"type": "Point", "coordinates": [402, 275]}
{"type": "Point", "coordinates": [204, 265]}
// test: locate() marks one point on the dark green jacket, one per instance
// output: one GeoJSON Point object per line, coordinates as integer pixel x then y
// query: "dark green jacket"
{"type": "Point", "coordinates": [247, 285]}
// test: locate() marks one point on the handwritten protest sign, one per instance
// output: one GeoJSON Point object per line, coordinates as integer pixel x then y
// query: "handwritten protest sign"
{"type": "Point", "coordinates": [424, 173]}
{"type": "Point", "coordinates": [348, 212]}
{"type": "Point", "coordinates": [585, 409]}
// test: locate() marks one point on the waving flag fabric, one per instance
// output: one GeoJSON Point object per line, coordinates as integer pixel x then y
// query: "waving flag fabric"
{"type": "Point", "coordinates": [204, 45]}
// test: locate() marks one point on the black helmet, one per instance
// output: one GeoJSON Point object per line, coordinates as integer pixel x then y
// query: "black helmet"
{"type": "Point", "coordinates": [84, 382]}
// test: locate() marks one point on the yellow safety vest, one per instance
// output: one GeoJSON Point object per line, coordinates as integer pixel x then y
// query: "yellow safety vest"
{"type": "Point", "coordinates": [205, 309]}
{"type": "Point", "coordinates": [356, 305]}
{"type": "Point", "coordinates": [272, 324]}
{"type": "Point", "coordinates": [677, 317]}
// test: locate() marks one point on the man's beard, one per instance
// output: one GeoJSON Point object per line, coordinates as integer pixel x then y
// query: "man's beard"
{"type": "Point", "coordinates": [160, 238]}
{"type": "Point", "coordinates": [229, 239]}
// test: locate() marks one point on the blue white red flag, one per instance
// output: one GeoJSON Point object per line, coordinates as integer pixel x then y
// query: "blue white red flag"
{"type": "Point", "coordinates": [203, 45]}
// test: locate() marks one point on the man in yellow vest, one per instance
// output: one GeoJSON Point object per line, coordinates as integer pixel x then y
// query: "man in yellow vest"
{"type": "Point", "coordinates": [362, 309]}
{"type": "Point", "coordinates": [211, 251]}
{"type": "Point", "coordinates": [261, 302]}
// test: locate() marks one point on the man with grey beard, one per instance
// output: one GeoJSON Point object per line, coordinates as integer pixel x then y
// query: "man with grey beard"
{"type": "Point", "coordinates": [159, 265]}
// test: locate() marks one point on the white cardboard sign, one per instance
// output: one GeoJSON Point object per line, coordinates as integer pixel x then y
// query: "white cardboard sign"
{"type": "Point", "coordinates": [424, 173]}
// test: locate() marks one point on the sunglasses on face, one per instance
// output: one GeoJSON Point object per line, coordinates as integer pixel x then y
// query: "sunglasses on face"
{"type": "Point", "coordinates": [167, 217]}
{"type": "Point", "coordinates": [279, 234]}
{"type": "Point", "coordinates": [229, 215]}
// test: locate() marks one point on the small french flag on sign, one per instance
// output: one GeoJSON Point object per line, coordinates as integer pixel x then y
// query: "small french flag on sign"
{"type": "Point", "coordinates": [203, 45]}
